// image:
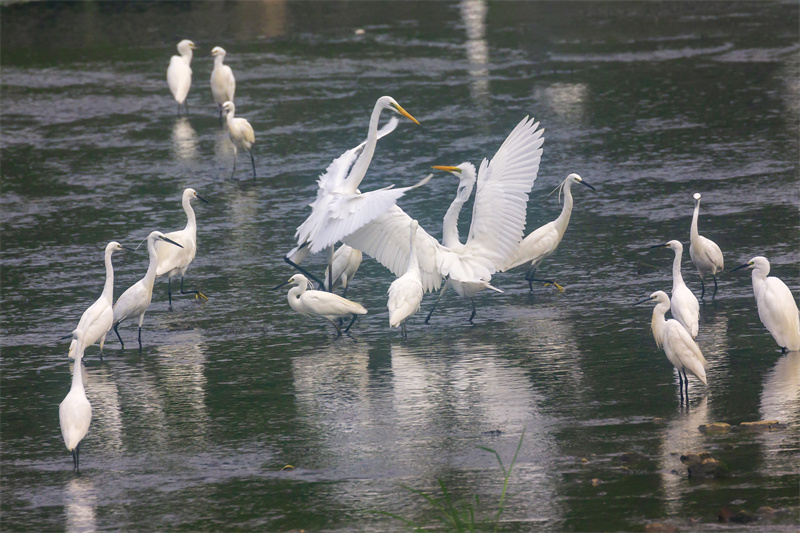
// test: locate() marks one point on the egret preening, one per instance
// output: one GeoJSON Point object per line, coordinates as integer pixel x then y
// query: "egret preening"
{"type": "Point", "coordinates": [342, 268]}
{"type": "Point", "coordinates": [241, 134]}
{"type": "Point", "coordinates": [135, 301]}
{"type": "Point", "coordinates": [682, 351]}
{"type": "Point", "coordinates": [173, 261]}
{"type": "Point", "coordinates": [541, 243]}
{"type": "Point", "coordinates": [776, 306]}
{"type": "Point", "coordinates": [320, 303]}
{"type": "Point", "coordinates": [405, 293]}
{"type": "Point", "coordinates": [705, 253]}
{"type": "Point", "coordinates": [223, 84]}
{"type": "Point", "coordinates": [685, 307]}
{"type": "Point", "coordinates": [179, 73]}
{"type": "Point", "coordinates": [75, 411]}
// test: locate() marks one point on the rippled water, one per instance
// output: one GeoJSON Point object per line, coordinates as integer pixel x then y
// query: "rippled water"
{"type": "Point", "coordinates": [648, 102]}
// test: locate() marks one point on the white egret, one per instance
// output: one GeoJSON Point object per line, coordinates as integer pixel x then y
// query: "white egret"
{"type": "Point", "coordinates": [542, 242]}
{"type": "Point", "coordinates": [776, 306]}
{"type": "Point", "coordinates": [223, 84]}
{"type": "Point", "coordinates": [135, 301]}
{"type": "Point", "coordinates": [309, 302]}
{"type": "Point", "coordinates": [405, 293]}
{"type": "Point", "coordinates": [705, 254]}
{"type": "Point", "coordinates": [179, 73]}
{"type": "Point", "coordinates": [685, 307]}
{"type": "Point", "coordinates": [75, 411]}
{"type": "Point", "coordinates": [173, 261]}
{"type": "Point", "coordinates": [342, 268]}
{"type": "Point", "coordinates": [498, 219]}
{"type": "Point", "coordinates": [241, 134]}
{"type": "Point", "coordinates": [682, 351]}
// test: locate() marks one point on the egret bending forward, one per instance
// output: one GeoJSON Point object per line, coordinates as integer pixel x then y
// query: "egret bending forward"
{"type": "Point", "coordinates": [223, 84]}
{"type": "Point", "coordinates": [320, 303]}
{"type": "Point", "coordinates": [179, 73]}
{"type": "Point", "coordinates": [405, 293]}
{"type": "Point", "coordinates": [705, 254]}
{"type": "Point", "coordinates": [343, 267]}
{"type": "Point", "coordinates": [75, 411]}
{"type": "Point", "coordinates": [241, 134]}
{"type": "Point", "coordinates": [685, 307]}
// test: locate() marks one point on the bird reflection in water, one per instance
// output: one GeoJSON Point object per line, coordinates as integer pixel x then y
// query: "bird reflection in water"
{"type": "Point", "coordinates": [80, 504]}
{"type": "Point", "coordinates": [473, 15]}
{"type": "Point", "coordinates": [184, 140]}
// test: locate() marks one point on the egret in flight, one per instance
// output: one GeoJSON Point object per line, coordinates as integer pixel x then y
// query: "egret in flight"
{"type": "Point", "coordinates": [682, 351]}
{"type": "Point", "coordinates": [223, 84]}
{"type": "Point", "coordinates": [179, 73]}
{"type": "Point", "coordinates": [776, 306]}
{"type": "Point", "coordinates": [405, 293]}
{"type": "Point", "coordinates": [135, 301]}
{"type": "Point", "coordinates": [173, 261]}
{"type": "Point", "coordinates": [705, 254]}
{"type": "Point", "coordinates": [685, 307]}
{"type": "Point", "coordinates": [343, 267]}
{"type": "Point", "coordinates": [75, 411]}
{"type": "Point", "coordinates": [241, 134]}
{"type": "Point", "coordinates": [309, 302]}
{"type": "Point", "coordinates": [543, 242]}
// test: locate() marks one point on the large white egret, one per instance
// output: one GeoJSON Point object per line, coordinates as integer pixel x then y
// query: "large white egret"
{"type": "Point", "coordinates": [682, 351]}
{"type": "Point", "coordinates": [135, 301]}
{"type": "Point", "coordinates": [542, 242]}
{"type": "Point", "coordinates": [684, 305]}
{"type": "Point", "coordinates": [705, 254]}
{"type": "Point", "coordinates": [405, 293]}
{"type": "Point", "coordinates": [223, 84]}
{"type": "Point", "coordinates": [241, 134]}
{"type": "Point", "coordinates": [498, 220]}
{"type": "Point", "coordinates": [776, 306]}
{"type": "Point", "coordinates": [309, 302]}
{"type": "Point", "coordinates": [343, 267]}
{"type": "Point", "coordinates": [173, 261]}
{"type": "Point", "coordinates": [179, 73]}
{"type": "Point", "coordinates": [75, 411]}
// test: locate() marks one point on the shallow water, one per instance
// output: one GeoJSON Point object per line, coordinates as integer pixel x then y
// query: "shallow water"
{"type": "Point", "coordinates": [648, 102]}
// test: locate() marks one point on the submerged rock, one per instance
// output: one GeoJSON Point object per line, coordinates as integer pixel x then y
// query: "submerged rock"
{"type": "Point", "coordinates": [715, 427]}
{"type": "Point", "coordinates": [703, 466]}
{"type": "Point", "coordinates": [739, 517]}
{"type": "Point", "coordinates": [761, 425]}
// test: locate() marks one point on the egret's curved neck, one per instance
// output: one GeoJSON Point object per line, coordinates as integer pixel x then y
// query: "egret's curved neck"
{"type": "Point", "coordinates": [759, 278]}
{"type": "Point", "coordinates": [108, 288]}
{"type": "Point", "coordinates": [659, 323]}
{"type": "Point", "coordinates": [77, 374]}
{"type": "Point", "coordinates": [191, 222]}
{"type": "Point", "coordinates": [294, 294]}
{"type": "Point", "coordinates": [677, 278]}
{"type": "Point", "coordinates": [187, 55]}
{"type": "Point", "coordinates": [218, 60]}
{"type": "Point", "coordinates": [450, 237]}
{"type": "Point", "coordinates": [360, 167]}
{"type": "Point", "coordinates": [150, 275]}
{"type": "Point", "coordinates": [694, 233]}
{"type": "Point", "coordinates": [566, 212]}
{"type": "Point", "coordinates": [413, 263]}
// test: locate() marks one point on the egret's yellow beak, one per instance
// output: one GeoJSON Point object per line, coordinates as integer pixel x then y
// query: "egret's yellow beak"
{"type": "Point", "coordinates": [405, 114]}
{"type": "Point", "coordinates": [447, 169]}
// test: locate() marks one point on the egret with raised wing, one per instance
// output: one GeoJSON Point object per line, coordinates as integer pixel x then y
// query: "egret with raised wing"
{"type": "Point", "coordinates": [223, 83]}
{"type": "Point", "coordinates": [241, 134]}
{"type": "Point", "coordinates": [310, 302]}
{"type": "Point", "coordinates": [179, 73]}
{"type": "Point", "coordinates": [405, 293]}
{"type": "Point", "coordinates": [684, 305]}
{"type": "Point", "coordinates": [705, 254]}
{"type": "Point", "coordinates": [75, 411]}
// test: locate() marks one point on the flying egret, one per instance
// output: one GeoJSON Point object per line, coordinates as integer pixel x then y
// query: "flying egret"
{"type": "Point", "coordinates": [705, 253]}
{"type": "Point", "coordinates": [75, 411]}
{"type": "Point", "coordinates": [685, 307]}
{"type": "Point", "coordinates": [174, 261]}
{"type": "Point", "coordinates": [498, 220]}
{"type": "Point", "coordinates": [682, 351]}
{"type": "Point", "coordinates": [344, 265]}
{"type": "Point", "coordinates": [543, 242]}
{"type": "Point", "coordinates": [405, 293]}
{"type": "Point", "coordinates": [320, 303]}
{"type": "Point", "coordinates": [135, 301]}
{"type": "Point", "coordinates": [179, 73]}
{"type": "Point", "coordinates": [776, 306]}
{"type": "Point", "coordinates": [223, 84]}
{"type": "Point", "coordinates": [241, 134]}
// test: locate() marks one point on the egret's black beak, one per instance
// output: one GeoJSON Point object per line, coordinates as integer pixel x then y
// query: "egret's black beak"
{"type": "Point", "coordinates": [128, 248]}
{"type": "Point", "coordinates": [741, 267]}
{"type": "Point", "coordinates": [171, 242]}
{"type": "Point", "coordinates": [660, 246]}
{"type": "Point", "coordinates": [200, 198]}
{"type": "Point", "coordinates": [276, 287]}
{"type": "Point", "coordinates": [648, 299]}
{"type": "Point", "coordinates": [588, 185]}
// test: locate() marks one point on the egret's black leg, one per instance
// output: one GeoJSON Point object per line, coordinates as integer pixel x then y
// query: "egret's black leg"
{"type": "Point", "coordinates": [140, 338]}
{"type": "Point", "coordinates": [347, 329]}
{"type": "Point", "coordinates": [702, 288]}
{"type": "Point", "coordinates": [529, 276]}
{"type": "Point", "coordinates": [330, 270]}
{"type": "Point", "coordinates": [338, 329]}
{"type": "Point", "coordinates": [78, 457]}
{"type": "Point", "coordinates": [169, 291]}
{"type": "Point", "coordinates": [403, 328]}
{"type": "Point", "coordinates": [686, 382]}
{"type": "Point", "coordinates": [473, 310]}
{"type": "Point", "coordinates": [715, 286]}
{"type": "Point", "coordinates": [344, 292]}
{"type": "Point", "coordinates": [118, 336]}
{"type": "Point", "coordinates": [441, 292]}
{"type": "Point", "coordinates": [196, 293]}
{"type": "Point", "coordinates": [304, 271]}
{"type": "Point", "coordinates": [234, 165]}
{"type": "Point", "coordinates": [254, 164]}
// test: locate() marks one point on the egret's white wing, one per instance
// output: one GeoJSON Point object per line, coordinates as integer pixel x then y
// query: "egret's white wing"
{"type": "Point", "coordinates": [778, 312]}
{"type": "Point", "coordinates": [171, 257]}
{"type": "Point", "coordinates": [249, 133]}
{"type": "Point", "coordinates": [685, 350]}
{"type": "Point", "coordinates": [179, 78]}
{"type": "Point", "coordinates": [536, 246]}
{"type": "Point", "coordinates": [329, 304]}
{"type": "Point", "coordinates": [132, 302]}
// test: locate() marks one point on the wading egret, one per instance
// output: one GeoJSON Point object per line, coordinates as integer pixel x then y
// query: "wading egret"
{"type": "Point", "coordinates": [223, 84]}
{"type": "Point", "coordinates": [405, 293]}
{"type": "Point", "coordinates": [682, 351]}
{"type": "Point", "coordinates": [320, 303]}
{"type": "Point", "coordinates": [776, 306]}
{"type": "Point", "coordinates": [543, 242]}
{"type": "Point", "coordinates": [705, 253]}
{"type": "Point", "coordinates": [179, 73]}
{"type": "Point", "coordinates": [685, 307]}
{"type": "Point", "coordinates": [75, 411]}
{"type": "Point", "coordinates": [241, 134]}
{"type": "Point", "coordinates": [345, 263]}
{"type": "Point", "coordinates": [498, 220]}
{"type": "Point", "coordinates": [135, 301]}
{"type": "Point", "coordinates": [173, 261]}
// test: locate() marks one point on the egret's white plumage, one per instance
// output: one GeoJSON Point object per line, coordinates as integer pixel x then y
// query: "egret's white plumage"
{"type": "Point", "coordinates": [343, 267]}
{"type": "Point", "coordinates": [776, 306]}
{"type": "Point", "coordinates": [223, 83]}
{"type": "Point", "coordinates": [241, 134]}
{"type": "Point", "coordinates": [179, 73]}
{"type": "Point", "coordinates": [172, 260]}
{"type": "Point", "coordinates": [75, 411]}
{"type": "Point", "coordinates": [405, 293]}
{"type": "Point", "coordinates": [542, 242]}
{"type": "Point", "coordinates": [309, 302]}
{"type": "Point", "coordinates": [705, 254]}
{"type": "Point", "coordinates": [684, 305]}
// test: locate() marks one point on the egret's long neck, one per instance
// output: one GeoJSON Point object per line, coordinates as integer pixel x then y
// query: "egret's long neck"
{"type": "Point", "coordinates": [150, 275]}
{"type": "Point", "coordinates": [694, 233]}
{"type": "Point", "coordinates": [677, 279]}
{"type": "Point", "coordinates": [187, 56]}
{"type": "Point", "coordinates": [295, 293]}
{"type": "Point", "coordinates": [566, 212]}
{"type": "Point", "coordinates": [759, 278]}
{"type": "Point", "coordinates": [450, 237]}
{"type": "Point", "coordinates": [108, 288]}
{"type": "Point", "coordinates": [659, 323]}
{"type": "Point", "coordinates": [77, 374]}
{"type": "Point", "coordinates": [218, 61]}
{"type": "Point", "coordinates": [413, 263]}
{"type": "Point", "coordinates": [359, 169]}
{"type": "Point", "coordinates": [191, 222]}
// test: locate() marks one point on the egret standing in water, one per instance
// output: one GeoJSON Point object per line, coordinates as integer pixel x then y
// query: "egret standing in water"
{"type": "Point", "coordinates": [776, 306]}
{"type": "Point", "coordinates": [135, 301]}
{"type": "Point", "coordinates": [405, 293]}
{"type": "Point", "coordinates": [705, 253]}
{"type": "Point", "coordinates": [543, 242]}
{"type": "Point", "coordinates": [320, 303]}
{"type": "Point", "coordinates": [685, 307]}
{"type": "Point", "coordinates": [241, 134]}
{"type": "Point", "coordinates": [682, 351]}
{"type": "Point", "coordinates": [173, 261]}
{"type": "Point", "coordinates": [75, 411]}
{"type": "Point", "coordinates": [223, 84]}
{"type": "Point", "coordinates": [179, 73]}
{"type": "Point", "coordinates": [343, 267]}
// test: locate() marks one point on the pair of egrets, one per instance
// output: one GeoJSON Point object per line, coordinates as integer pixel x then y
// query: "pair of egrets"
{"type": "Point", "coordinates": [179, 76]}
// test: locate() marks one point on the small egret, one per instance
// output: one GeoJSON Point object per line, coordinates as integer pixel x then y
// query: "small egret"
{"type": "Point", "coordinates": [776, 306]}
{"type": "Point", "coordinates": [173, 261]}
{"type": "Point", "coordinates": [241, 134]}
{"type": "Point", "coordinates": [75, 411]}
{"type": "Point", "coordinates": [682, 351]}
{"type": "Point", "coordinates": [135, 301]}
{"type": "Point", "coordinates": [320, 303]}
{"type": "Point", "coordinates": [343, 267]}
{"type": "Point", "coordinates": [705, 253]}
{"type": "Point", "coordinates": [405, 293]}
{"type": "Point", "coordinates": [685, 307]}
{"type": "Point", "coordinates": [543, 242]}
{"type": "Point", "coordinates": [179, 73]}
{"type": "Point", "coordinates": [223, 84]}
